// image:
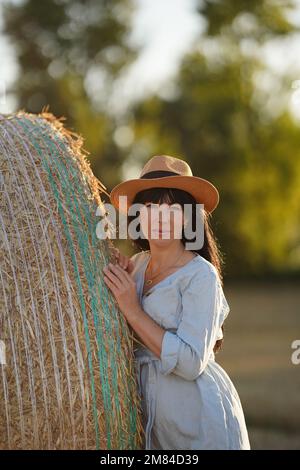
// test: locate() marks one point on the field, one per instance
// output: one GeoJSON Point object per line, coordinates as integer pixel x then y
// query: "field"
{"type": "Point", "coordinates": [263, 322]}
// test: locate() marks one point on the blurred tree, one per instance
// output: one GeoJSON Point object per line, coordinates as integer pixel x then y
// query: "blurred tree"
{"type": "Point", "coordinates": [69, 53]}
{"type": "Point", "coordinates": [231, 131]}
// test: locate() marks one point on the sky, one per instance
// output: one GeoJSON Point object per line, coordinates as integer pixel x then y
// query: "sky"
{"type": "Point", "coordinates": [165, 30]}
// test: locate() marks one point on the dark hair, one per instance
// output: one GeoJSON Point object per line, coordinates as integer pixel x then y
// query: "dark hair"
{"type": "Point", "coordinates": [210, 249]}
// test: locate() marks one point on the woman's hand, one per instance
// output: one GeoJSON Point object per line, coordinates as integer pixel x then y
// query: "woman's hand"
{"type": "Point", "coordinates": [123, 288]}
{"type": "Point", "coordinates": [123, 260]}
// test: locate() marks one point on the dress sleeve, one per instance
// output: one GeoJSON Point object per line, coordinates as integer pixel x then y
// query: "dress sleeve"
{"type": "Point", "coordinates": [187, 351]}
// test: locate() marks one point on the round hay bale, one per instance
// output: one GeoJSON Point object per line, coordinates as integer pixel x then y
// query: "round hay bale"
{"type": "Point", "coordinates": [66, 357]}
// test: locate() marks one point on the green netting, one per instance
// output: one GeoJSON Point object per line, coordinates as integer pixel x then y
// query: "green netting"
{"type": "Point", "coordinates": [88, 389]}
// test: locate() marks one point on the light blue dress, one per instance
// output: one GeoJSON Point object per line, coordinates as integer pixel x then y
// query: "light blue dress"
{"type": "Point", "coordinates": [188, 400]}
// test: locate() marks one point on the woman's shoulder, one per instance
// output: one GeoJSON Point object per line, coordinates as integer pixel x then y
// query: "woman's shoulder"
{"type": "Point", "coordinates": [139, 256]}
{"type": "Point", "coordinates": [206, 276]}
{"type": "Point", "coordinates": [138, 260]}
{"type": "Point", "coordinates": [203, 267]}
{"type": "Point", "coordinates": [196, 270]}
{"type": "Point", "coordinates": [200, 271]}
{"type": "Point", "coordinates": [198, 266]}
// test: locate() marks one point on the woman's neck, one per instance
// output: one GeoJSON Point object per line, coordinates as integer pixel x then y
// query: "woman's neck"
{"type": "Point", "coordinates": [164, 256]}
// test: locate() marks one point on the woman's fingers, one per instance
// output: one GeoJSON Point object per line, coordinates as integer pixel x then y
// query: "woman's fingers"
{"type": "Point", "coordinates": [123, 261]}
{"type": "Point", "coordinates": [121, 274]}
{"type": "Point", "coordinates": [111, 285]}
{"type": "Point", "coordinates": [130, 266]}
{"type": "Point", "coordinates": [123, 286]}
{"type": "Point", "coordinates": [119, 257]}
{"type": "Point", "coordinates": [116, 253]}
{"type": "Point", "coordinates": [111, 274]}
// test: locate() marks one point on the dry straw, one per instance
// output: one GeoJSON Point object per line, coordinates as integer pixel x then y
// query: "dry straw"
{"type": "Point", "coordinates": [67, 366]}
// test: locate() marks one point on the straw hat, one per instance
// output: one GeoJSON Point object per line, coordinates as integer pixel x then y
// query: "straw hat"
{"type": "Point", "coordinates": [167, 172]}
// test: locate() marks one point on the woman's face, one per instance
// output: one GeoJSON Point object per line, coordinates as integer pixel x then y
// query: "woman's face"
{"type": "Point", "coordinates": [161, 223]}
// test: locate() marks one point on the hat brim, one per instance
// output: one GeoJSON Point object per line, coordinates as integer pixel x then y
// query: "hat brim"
{"type": "Point", "coordinates": [202, 190]}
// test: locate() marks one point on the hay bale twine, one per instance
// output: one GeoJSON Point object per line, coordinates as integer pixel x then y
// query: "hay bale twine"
{"type": "Point", "coordinates": [67, 366]}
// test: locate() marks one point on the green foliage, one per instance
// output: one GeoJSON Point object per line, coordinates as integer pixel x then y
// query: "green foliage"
{"type": "Point", "coordinates": [59, 45]}
{"type": "Point", "coordinates": [219, 123]}
{"type": "Point", "coordinates": [219, 119]}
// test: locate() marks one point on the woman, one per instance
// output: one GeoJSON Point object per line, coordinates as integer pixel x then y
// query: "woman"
{"type": "Point", "coordinates": [173, 299]}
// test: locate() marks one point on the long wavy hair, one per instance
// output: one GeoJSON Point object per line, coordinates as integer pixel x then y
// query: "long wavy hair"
{"type": "Point", "coordinates": [210, 249]}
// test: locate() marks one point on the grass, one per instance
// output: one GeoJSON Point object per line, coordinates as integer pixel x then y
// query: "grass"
{"type": "Point", "coordinates": [263, 322]}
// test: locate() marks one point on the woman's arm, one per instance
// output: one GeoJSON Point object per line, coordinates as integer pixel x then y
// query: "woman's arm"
{"type": "Point", "coordinates": [187, 351]}
{"type": "Point", "coordinates": [123, 287]}
{"type": "Point", "coordinates": [147, 329]}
